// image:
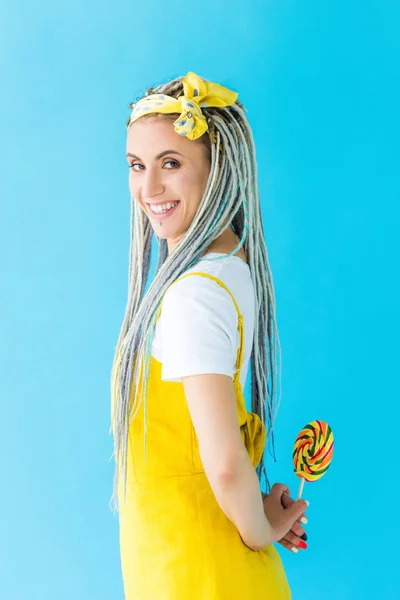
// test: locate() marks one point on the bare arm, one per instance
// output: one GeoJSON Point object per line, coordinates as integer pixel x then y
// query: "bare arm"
{"type": "Point", "coordinates": [212, 406]}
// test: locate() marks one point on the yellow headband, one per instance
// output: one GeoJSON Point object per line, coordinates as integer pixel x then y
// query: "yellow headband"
{"type": "Point", "coordinates": [191, 122]}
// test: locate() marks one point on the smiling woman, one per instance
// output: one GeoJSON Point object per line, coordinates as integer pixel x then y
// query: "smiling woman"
{"type": "Point", "coordinates": [189, 456]}
{"type": "Point", "coordinates": [160, 179]}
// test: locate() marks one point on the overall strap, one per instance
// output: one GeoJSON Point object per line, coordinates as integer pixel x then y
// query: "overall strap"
{"type": "Point", "coordinates": [240, 351]}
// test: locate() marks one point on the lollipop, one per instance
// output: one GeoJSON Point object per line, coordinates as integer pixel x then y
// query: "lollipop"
{"type": "Point", "coordinates": [313, 451]}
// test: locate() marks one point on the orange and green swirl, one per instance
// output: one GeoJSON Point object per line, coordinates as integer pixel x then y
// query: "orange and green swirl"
{"type": "Point", "coordinates": [313, 450]}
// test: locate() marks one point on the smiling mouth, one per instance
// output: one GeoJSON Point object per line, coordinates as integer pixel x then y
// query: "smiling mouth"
{"type": "Point", "coordinates": [173, 202]}
{"type": "Point", "coordinates": [165, 212]}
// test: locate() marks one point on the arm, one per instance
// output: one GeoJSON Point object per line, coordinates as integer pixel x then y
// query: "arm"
{"type": "Point", "coordinates": [212, 406]}
{"type": "Point", "coordinates": [199, 337]}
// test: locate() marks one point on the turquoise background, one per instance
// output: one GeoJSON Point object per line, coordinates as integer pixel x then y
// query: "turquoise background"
{"type": "Point", "coordinates": [320, 81]}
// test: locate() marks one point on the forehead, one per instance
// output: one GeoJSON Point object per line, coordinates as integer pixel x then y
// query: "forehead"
{"type": "Point", "coordinates": [153, 133]}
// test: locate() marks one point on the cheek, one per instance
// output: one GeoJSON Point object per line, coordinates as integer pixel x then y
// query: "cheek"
{"type": "Point", "coordinates": [192, 185]}
{"type": "Point", "coordinates": [133, 188]}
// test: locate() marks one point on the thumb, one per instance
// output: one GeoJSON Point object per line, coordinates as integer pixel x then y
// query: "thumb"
{"type": "Point", "coordinates": [297, 509]}
{"type": "Point", "coordinates": [287, 501]}
{"type": "Point", "coordinates": [278, 489]}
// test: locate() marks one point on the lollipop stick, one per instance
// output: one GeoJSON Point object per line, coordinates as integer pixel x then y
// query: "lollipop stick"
{"type": "Point", "coordinates": [300, 489]}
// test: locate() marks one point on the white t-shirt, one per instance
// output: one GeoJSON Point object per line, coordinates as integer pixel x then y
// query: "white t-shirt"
{"type": "Point", "coordinates": [197, 331]}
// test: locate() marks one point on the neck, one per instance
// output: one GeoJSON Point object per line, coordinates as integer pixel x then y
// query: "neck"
{"type": "Point", "coordinates": [223, 243]}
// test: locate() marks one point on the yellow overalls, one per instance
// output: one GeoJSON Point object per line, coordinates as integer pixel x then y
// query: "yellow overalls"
{"type": "Point", "coordinates": [176, 542]}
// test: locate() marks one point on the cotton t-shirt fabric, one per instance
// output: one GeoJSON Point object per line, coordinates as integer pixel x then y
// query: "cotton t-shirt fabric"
{"type": "Point", "coordinates": [197, 331]}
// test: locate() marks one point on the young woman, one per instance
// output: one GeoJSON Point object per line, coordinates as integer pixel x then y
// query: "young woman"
{"type": "Point", "coordinates": [193, 521]}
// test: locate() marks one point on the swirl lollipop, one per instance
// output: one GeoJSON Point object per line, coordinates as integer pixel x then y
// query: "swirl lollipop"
{"type": "Point", "coordinates": [312, 452]}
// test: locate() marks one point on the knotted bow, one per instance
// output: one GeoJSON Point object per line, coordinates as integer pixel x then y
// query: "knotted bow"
{"type": "Point", "coordinates": [197, 93]}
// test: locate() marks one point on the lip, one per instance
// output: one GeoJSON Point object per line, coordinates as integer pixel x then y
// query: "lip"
{"type": "Point", "coordinates": [159, 203]}
{"type": "Point", "coordinates": [165, 215]}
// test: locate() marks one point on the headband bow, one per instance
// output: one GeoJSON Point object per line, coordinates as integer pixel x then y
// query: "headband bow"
{"type": "Point", "coordinates": [197, 93]}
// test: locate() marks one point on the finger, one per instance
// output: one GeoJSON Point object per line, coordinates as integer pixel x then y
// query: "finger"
{"type": "Point", "coordinates": [303, 519]}
{"type": "Point", "coordinates": [295, 512]}
{"type": "Point", "coordinates": [278, 489]}
{"type": "Point", "coordinates": [293, 539]}
{"type": "Point", "coordinates": [287, 502]}
{"type": "Point", "coordinates": [297, 529]}
{"type": "Point", "coordinates": [288, 545]}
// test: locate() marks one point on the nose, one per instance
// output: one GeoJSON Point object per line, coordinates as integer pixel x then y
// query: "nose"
{"type": "Point", "coordinates": [152, 184]}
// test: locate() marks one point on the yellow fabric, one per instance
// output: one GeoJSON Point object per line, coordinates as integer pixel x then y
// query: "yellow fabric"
{"type": "Point", "coordinates": [197, 93]}
{"type": "Point", "coordinates": [176, 542]}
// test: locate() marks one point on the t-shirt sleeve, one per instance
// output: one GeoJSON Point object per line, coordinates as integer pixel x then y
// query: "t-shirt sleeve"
{"type": "Point", "coordinates": [199, 329]}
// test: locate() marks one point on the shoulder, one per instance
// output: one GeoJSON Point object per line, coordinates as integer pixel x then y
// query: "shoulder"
{"type": "Point", "coordinates": [212, 280]}
{"type": "Point", "coordinates": [199, 323]}
{"type": "Point", "coordinates": [201, 303]}
{"type": "Point", "coordinates": [206, 295]}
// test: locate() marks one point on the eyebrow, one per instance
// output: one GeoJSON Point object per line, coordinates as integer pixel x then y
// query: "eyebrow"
{"type": "Point", "coordinates": [158, 155]}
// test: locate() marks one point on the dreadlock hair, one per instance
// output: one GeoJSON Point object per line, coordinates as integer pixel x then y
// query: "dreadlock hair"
{"type": "Point", "coordinates": [231, 198]}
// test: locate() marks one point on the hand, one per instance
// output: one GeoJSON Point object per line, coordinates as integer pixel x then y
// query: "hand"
{"type": "Point", "coordinates": [284, 515]}
{"type": "Point", "coordinates": [293, 539]}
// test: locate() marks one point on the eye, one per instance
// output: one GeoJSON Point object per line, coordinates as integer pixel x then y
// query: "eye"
{"type": "Point", "coordinates": [171, 161]}
{"type": "Point", "coordinates": [132, 165]}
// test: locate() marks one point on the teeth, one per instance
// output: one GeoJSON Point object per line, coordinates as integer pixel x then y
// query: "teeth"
{"type": "Point", "coordinates": [162, 208]}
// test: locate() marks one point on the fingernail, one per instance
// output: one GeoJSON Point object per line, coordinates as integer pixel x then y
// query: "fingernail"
{"type": "Point", "coordinates": [304, 537]}
{"type": "Point", "coordinates": [304, 520]}
{"type": "Point", "coordinates": [302, 545]}
{"type": "Point", "coordinates": [307, 502]}
{"type": "Point", "coordinates": [295, 549]}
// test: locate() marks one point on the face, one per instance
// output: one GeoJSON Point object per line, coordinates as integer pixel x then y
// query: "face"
{"type": "Point", "coordinates": [166, 168]}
